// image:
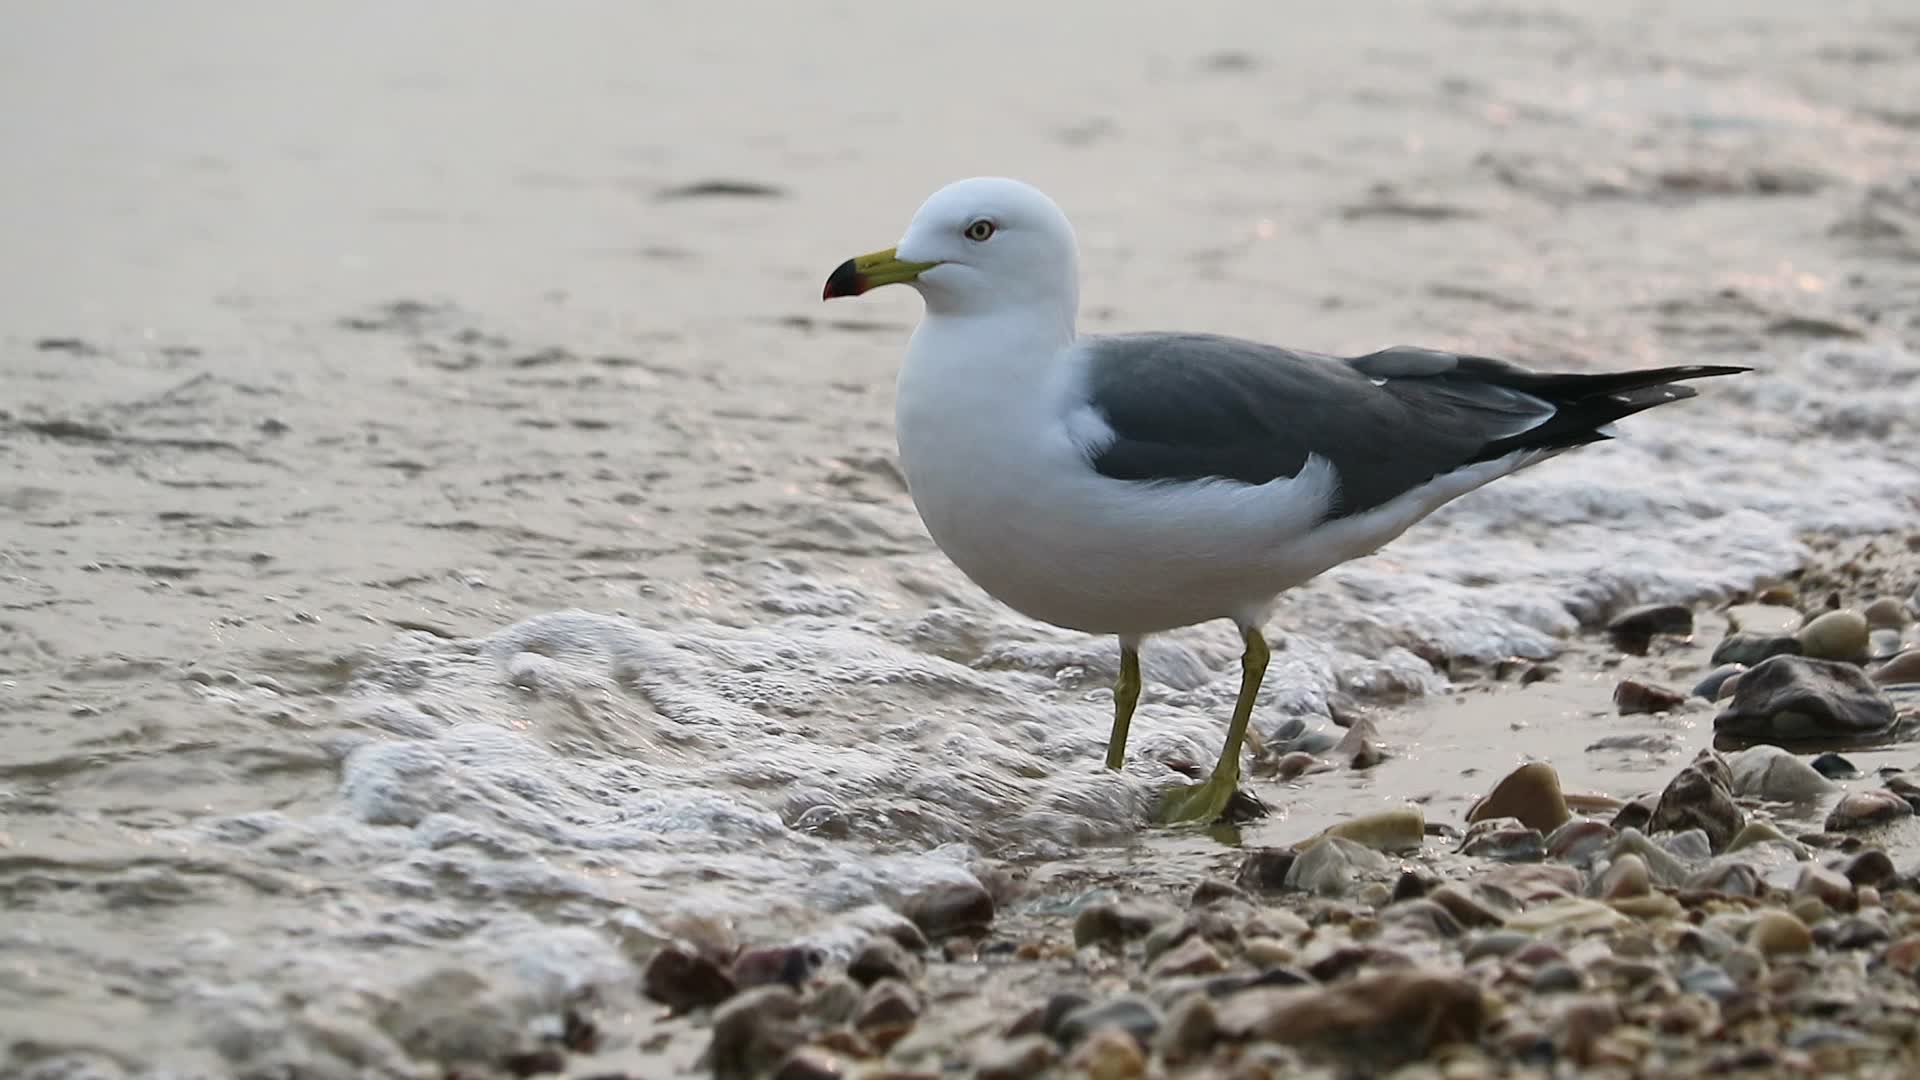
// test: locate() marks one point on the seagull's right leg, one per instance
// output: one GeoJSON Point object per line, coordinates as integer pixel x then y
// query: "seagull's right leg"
{"type": "Point", "coordinates": [1126, 694]}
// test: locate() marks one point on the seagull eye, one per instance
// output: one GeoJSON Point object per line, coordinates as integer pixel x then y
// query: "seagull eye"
{"type": "Point", "coordinates": [978, 231]}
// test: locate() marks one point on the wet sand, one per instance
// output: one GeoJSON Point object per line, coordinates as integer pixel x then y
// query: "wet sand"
{"type": "Point", "coordinates": [338, 340]}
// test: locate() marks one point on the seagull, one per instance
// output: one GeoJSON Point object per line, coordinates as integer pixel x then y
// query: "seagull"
{"type": "Point", "coordinates": [1133, 484]}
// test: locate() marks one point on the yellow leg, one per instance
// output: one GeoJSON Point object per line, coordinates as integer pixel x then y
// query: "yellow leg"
{"type": "Point", "coordinates": [1205, 802]}
{"type": "Point", "coordinates": [1126, 694]}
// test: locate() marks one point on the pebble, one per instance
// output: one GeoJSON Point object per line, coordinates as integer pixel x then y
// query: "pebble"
{"type": "Point", "coordinates": [1836, 635]}
{"type": "Point", "coordinates": [1778, 933]}
{"type": "Point", "coordinates": [1108, 1054]}
{"type": "Point", "coordinates": [1403, 1013]}
{"type": "Point", "coordinates": [754, 1032]}
{"type": "Point", "coordinates": [1865, 809]}
{"type": "Point", "coordinates": [1830, 887]}
{"type": "Point", "coordinates": [1471, 907]}
{"type": "Point", "coordinates": [1426, 917]}
{"type": "Point", "coordinates": [1403, 828]}
{"type": "Point", "coordinates": [950, 907]}
{"type": "Point", "coordinates": [1834, 767]}
{"type": "Point", "coordinates": [1699, 797]}
{"type": "Point", "coordinates": [1885, 613]}
{"type": "Point", "coordinates": [1793, 698]}
{"type": "Point", "coordinates": [1709, 980]}
{"type": "Point", "coordinates": [1114, 924]}
{"type": "Point", "coordinates": [1633, 629]}
{"type": "Point", "coordinates": [1726, 877]}
{"type": "Point", "coordinates": [809, 1063]}
{"type": "Point", "coordinates": [1628, 876]}
{"type": "Point", "coordinates": [1505, 840]}
{"type": "Point", "coordinates": [888, 1003]}
{"type": "Point", "coordinates": [1884, 645]}
{"type": "Point", "coordinates": [1776, 775]}
{"type": "Point", "coordinates": [1571, 913]}
{"type": "Point", "coordinates": [1192, 957]}
{"type": "Point", "coordinates": [1901, 669]}
{"type": "Point", "coordinates": [1663, 866]}
{"type": "Point", "coordinates": [1266, 952]}
{"type": "Point", "coordinates": [1582, 1023]}
{"type": "Point", "coordinates": [1016, 1059]}
{"type": "Point", "coordinates": [789, 964]}
{"type": "Point", "coordinates": [1331, 865]}
{"type": "Point", "coordinates": [1557, 978]}
{"type": "Point", "coordinates": [1497, 943]}
{"type": "Point", "coordinates": [1767, 619]}
{"type": "Point", "coordinates": [1137, 1017]}
{"type": "Point", "coordinates": [1190, 1030]}
{"type": "Point", "coordinates": [1579, 840]}
{"type": "Point", "coordinates": [1757, 832]}
{"type": "Point", "coordinates": [1634, 815]}
{"type": "Point", "coordinates": [1530, 793]}
{"type": "Point", "coordinates": [1750, 649]}
{"type": "Point", "coordinates": [1633, 696]}
{"type": "Point", "coordinates": [1713, 686]}
{"type": "Point", "coordinates": [1871, 868]}
{"type": "Point", "coordinates": [883, 958]}
{"type": "Point", "coordinates": [834, 1000]}
{"type": "Point", "coordinates": [682, 979]}
{"type": "Point", "coordinates": [1294, 765]}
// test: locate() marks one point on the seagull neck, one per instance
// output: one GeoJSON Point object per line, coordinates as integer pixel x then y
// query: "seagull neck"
{"type": "Point", "coordinates": [1006, 339]}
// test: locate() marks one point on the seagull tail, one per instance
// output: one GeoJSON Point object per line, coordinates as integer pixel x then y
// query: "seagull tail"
{"type": "Point", "coordinates": [1586, 406]}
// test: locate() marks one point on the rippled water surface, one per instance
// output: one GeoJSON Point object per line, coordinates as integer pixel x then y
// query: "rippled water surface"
{"type": "Point", "coordinates": [446, 547]}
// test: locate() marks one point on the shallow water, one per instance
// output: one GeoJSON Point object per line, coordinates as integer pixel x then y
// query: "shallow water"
{"type": "Point", "coordinates": [441, 533]}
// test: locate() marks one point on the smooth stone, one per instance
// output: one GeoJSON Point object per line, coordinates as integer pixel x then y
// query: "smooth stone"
{"type": "Point", "coordinates": [1404, 828]}
{"type": "Point", "coordinates": [1777, 933]}
{"type": "Point", "coordinates": [1714, 682]}
{"type": "Point", "coordinates": [1266, 952]}
{"type": "Point", "coordinates": [1571, 913]}
{"type": "Point", "coordinates": [1295, 765]}
{"type": "Point", "coordinates": [1628, 876]}
{"type": "Point", "coordinates": [1700, 797]}
{"type": "Point", "coordinates": [1557, 978]}
{"type": "Point", "coordinates": [683, 979]}
{"type": "Point", "coordinates": [1634, 696]}
{"type": "Point", "coordinates": [1209, 924]}
{"type": "Point", "coordinates": [754, 1032]}
{"type": "Point", "coordinates": [888, 1003]}
{"type": "Point", "coordinates": [1634, 815]}
{"type": "Point", "coordinates": [1530, 793]}
{"type": "Point", "coordinates": [883, 958]}
{"type": "Point", "coordinates": [1836, 635]}
{"type": "Point", "coordinates": [1709, 980]}
{"type": "Point", "coordinates": [1136, 1016]}
{"type": "Point", "coordinates": [1907, 788]}
{"type": "Point", "coordinates": [1634, 628]}
{"type": "Point", "coordinates": [805, 1063]}
{"type": "Point", "coordinates": [1725, 876]}
{"type": "Point", "coordinates": [1529, 883]}
{"type": "Point", "coordinates": [1853, 932]}
{"type": "Point", "coordinates": [1830, 887]}
{"type": "Point", "coordinates": [1331, 866]}
{"type": "Point", "coordinates": [1473, 907]}
{"type": "Point", "coordinates": [1665, 867]}
{"type": "Point", "coordinates": [1865, 809]}
{"type": "Point", "coordinates": [1774, 620]}
{"type": "Point", "coordinates": [1108, 1054]}
{"type": "Point", "coordinates": [1114, 924]}
{"type": "Point", "coordinates": [1689, 846]}
{"type": "Point", "coordinates": [1653, 906]}
{"type": "Point", "coordinates": [1265, 869]}
{"type": "Point", "coordinates": [1884, 645]}
{"type": "Point", "coordinates": [1757, 832]}
{"type": "Point", "coordinates": [833, 999]}
{"type": "Point", "coordinates": [1579, 840]}
{"type": "Point", "coordinates": [1192, 957]}
{"type": "Point", "coordinates": [1017, 1059]}
{"type": "Point", "coordinates": [1403, 1012]}
{"type": "Point", "coordinates": [1500, 943]}
{"type": "Point", "coordinates": [1794, 698]}
{"type": "Point", "coordinates": [950, 907]}
{"type": "Point", "coordinates": [1190, 1031]}
{"type": "Point", "coordinates": [1870, 868]}
{"type": "Point", "coordinates": [1424, 917]}
{"type": "Point", "coordinates": [1745, 964]}
{"type": "Point", "coordinates": [1750, 649]}
{"type": "Point", "coordinates": [1885, 613]}
{"type": "Point", "coordinates": [1776, 775]}
{"type": "Point", "coordinates": [1834, 767]}
{"type": "Point", "coordinates": [1900, 669]}
{"type": "Point", "coordinates": [1504, 840]}
{"type": "Point", "coordinates": [1582, 1024]}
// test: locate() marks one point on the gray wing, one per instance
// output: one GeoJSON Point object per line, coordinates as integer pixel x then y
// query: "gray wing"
{"type": "Point", "coordinates": [1198, 406]}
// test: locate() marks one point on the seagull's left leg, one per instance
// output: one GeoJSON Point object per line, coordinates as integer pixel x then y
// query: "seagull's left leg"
{"type": "Point", "coordinates": [1126, 694]}
{"type": "Point", "coordinates": [1205, 802]}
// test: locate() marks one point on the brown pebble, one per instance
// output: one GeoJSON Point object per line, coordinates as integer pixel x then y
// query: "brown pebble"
{"type": "Point", "coordinates": [1108, 1053]}
{"type": "Point", "coordinates": [1190, 1030]}
{"type": "Point", "coordinates": [1530, 793]}
{"type": "Point", "coordinates": [1777, 933]}
{"type": "Point", "coordinates": [1830, 887]}
{"type": "Point", "coordinates": [1018, 1059]}
{"type": "Point", "coordinates": [1628, 876]}
{"type": "Point", "coordinates": [1903, 667]}
{"type": "Point", "coordinates": [950, 907]}
{"type": "Point", "coordinates": [887, 1003]}
{"type": "Point", "coordinates": [1632, 696]}
{"type": "Point", "coordinates": [1865, 809]}
{"type": "Point", "coordinates": [883, 958]}
{"type": "Point", "coordinates": [811, 1063]}
{"type": "Point", "coordinates": [1885, 613]}
{"type": "Point", "coordinates": [681, 980]}
{"type": "Point", "coordinates": [1191, 957]}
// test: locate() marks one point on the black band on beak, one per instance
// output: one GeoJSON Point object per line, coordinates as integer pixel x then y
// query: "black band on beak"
{"type": "Point", "coordinates": [844, 281]}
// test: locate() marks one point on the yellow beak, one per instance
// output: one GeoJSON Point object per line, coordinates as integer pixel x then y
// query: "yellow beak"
{"type": "Point", "coordinates": [863, 272]}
